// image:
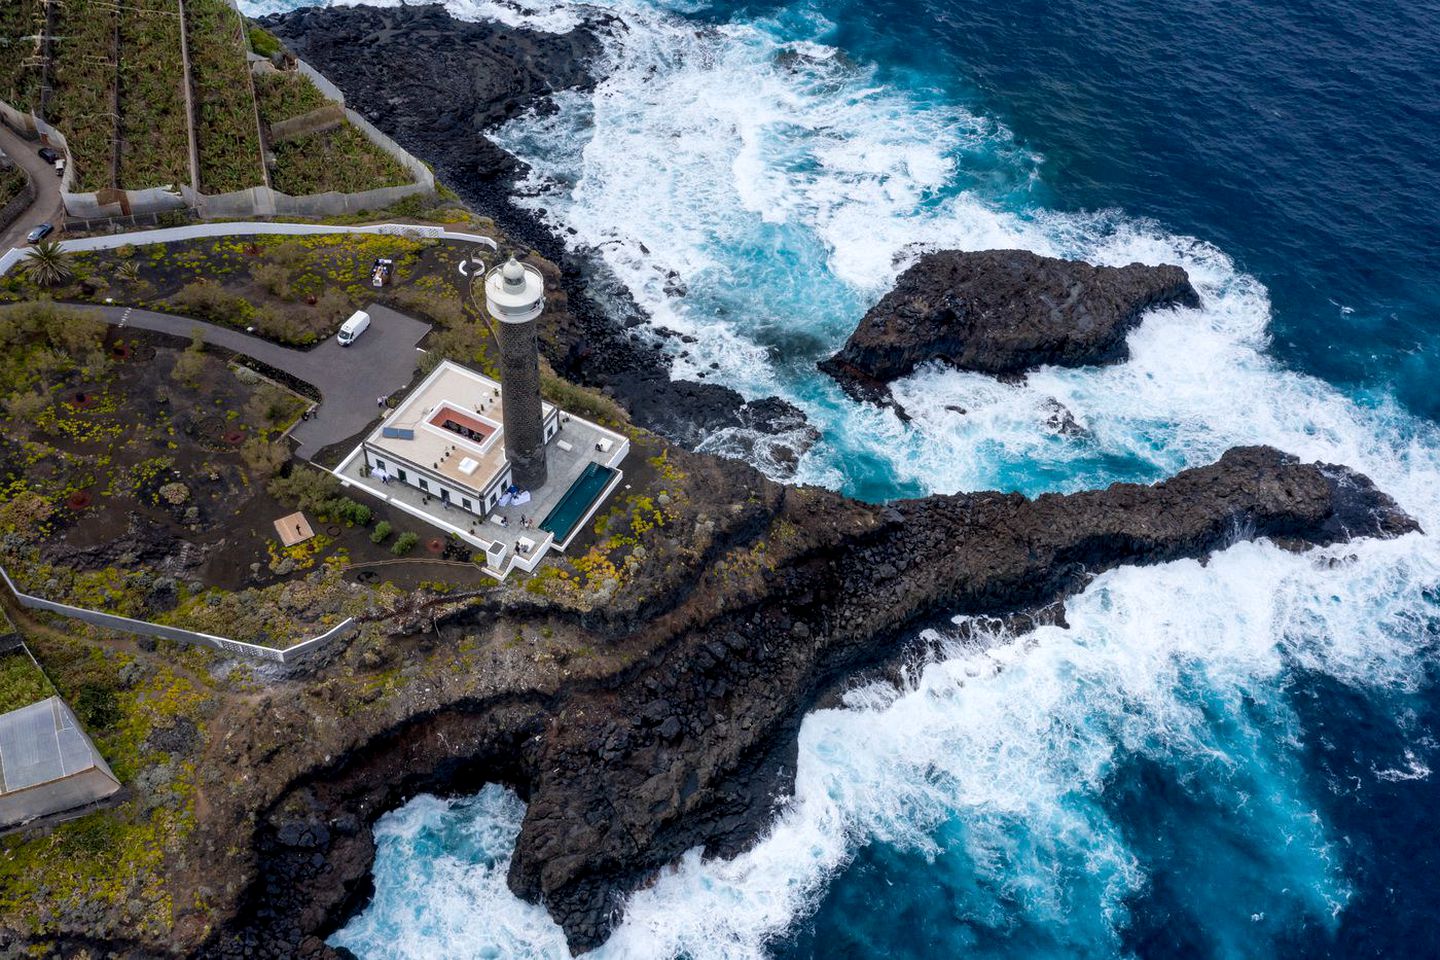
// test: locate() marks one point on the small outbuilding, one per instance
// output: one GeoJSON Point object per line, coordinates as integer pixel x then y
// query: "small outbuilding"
{"type": "Point", "coordinates": [47, 764]}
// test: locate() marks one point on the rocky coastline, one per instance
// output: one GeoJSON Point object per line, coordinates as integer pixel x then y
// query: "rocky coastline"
{"type": "Point", "coordinates": [437, 85]}
{"type": "Point", "coordinates": [664, 720]}
{"type": "Point", "coordinates": [1002, 313]}
{"type": "Point", "coordinates": [688, 740]}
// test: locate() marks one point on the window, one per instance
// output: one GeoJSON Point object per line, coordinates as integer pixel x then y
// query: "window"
{"type": "Point", "coordinates": [379, 464]}
{"type": "Point", "coordinates": [444, 494]}
{"type": "Point", "coordinates": [465, 502]}
{"type": "Point", "coordinates": [423, 484]}
{"type": "Point", "coordinates": [401, 475]}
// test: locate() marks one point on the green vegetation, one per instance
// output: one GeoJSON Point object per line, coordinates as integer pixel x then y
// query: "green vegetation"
{"type": "Point", "coordinates": [381, 533]}
{"type": "Point", "coordinates": [48, 264]}
{"type": "Point", "coordinates": [21, 682]}
{"type": "Point", "coordinates": [226, 130]}
{"type": "Point", "coordinates": [155, 132]}
{"type": "Point", "coordinates": [341, 159]}
{"type": "Point", "coordinates": [264, 42]}
{"type": "Point", "coordinates": [294, 290]}
{"type": "Point", "coordinates": [404, 544]}
{"type": "Point", "coordinates": [21, 24]}
{"type": "Point", "coordinates": [114, 859]}
{"type": "Point", "coordinates": [284, 95]}
{"type": "Point", "coordinates": [578, 400]}
{"type": "Point", "coordinates": [306, 488]}
{"type": "Point", "coordinates": [82, 77]}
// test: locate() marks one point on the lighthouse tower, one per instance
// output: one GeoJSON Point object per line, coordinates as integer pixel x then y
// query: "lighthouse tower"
{"type": "Point", "coordinates": [515, 296]}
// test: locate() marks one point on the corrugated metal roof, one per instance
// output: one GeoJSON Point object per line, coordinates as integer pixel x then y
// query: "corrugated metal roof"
{"type": "Point", "coordinates": [41, 743]}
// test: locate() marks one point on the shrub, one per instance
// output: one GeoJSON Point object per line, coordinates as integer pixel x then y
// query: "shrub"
{"type": "Point", "coordinates": [263, 457]}
{"type": "Point", "coordinates": [209, 301]}
{"type": "Point", "coordinates": [306, 488]}
{"type": "Point", "coordinates": [381, 532]}
{"type": "Point", "coordinates": [348, 511]}
{"type": "Point", "coordinates": [404, 544]}
{"type": "Point", "coordinates": [274, 278]}
{"type": "Point", "coordinates": [97, 707]}
{"type": "Point", "coordinates": [188, 367]}
{"type": "Point", "coordinates": [264, 42]}
{"type": "Point", "coordinates": [26, 405]}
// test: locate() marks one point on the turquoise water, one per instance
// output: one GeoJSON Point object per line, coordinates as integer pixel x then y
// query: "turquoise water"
{"type": "Point", "coordinates": [1221, 760]}
{"type": "Point", "coordinates": [561, 520]}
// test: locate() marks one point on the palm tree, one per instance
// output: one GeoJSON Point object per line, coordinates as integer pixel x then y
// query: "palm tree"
{"type": "Point", "coordinates": [129, 271]}
{"type": "Point", "coordinates": [48, 264]}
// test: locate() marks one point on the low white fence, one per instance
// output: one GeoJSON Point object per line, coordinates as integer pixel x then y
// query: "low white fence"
{"type": "Point", "coordinates": [200, 231]}
{"type": "Point", "coordinates": [145, 628]}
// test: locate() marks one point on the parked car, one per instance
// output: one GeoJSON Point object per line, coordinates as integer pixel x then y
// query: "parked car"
{"type": "Point", "coordinates": [353, 327]}
{"type": "Point", "coordinates": [48, 155]}
{"type": "Point", "coordinates": [381, 272]}
{"type": "Point", "coordinates": [40, 233]}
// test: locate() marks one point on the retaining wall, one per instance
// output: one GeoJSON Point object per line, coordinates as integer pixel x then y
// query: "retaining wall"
{"type": "Point", "coordinates": [144, 628]}
{"type": "Point", "coordinates": [19, 204]}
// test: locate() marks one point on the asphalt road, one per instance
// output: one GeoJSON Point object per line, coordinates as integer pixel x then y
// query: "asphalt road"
{"type": "Point", "coordinates": [350, 379]}
{"type": "Point", "coordinates": [47, 207]}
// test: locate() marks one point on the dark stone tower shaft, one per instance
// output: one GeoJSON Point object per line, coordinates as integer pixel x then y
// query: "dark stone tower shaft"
{"type": "Point", "coordinates": [515, 297]}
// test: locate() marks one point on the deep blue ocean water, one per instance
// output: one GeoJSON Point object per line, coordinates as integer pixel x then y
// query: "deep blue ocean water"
{"type": "Point", "coordinates": [1222, 760]}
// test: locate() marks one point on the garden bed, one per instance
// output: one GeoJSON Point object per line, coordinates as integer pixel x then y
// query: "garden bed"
{"type": "Point", "coordinates": [155, 132]}
{"type": "Point", "coordinates": [227, 134]}
{"type": "Point", "coordinates": [82, 77]}
{"type": "Point", "coordinates": [20, 21]}
{"type": "Point", "coordinates": [21, 681]}
{"type": "Point", "coordinates": [293, 290]}
{"type": "Point", "coordinates": [341, 159]}
{"type": "Point", "coordinates": [284, 95]}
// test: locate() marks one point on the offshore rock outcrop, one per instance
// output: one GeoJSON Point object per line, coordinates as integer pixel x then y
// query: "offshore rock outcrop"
{"type": "Point", "coordinates": [690, 741]}
{"type": "Point", "coordinates": [1002, 312]}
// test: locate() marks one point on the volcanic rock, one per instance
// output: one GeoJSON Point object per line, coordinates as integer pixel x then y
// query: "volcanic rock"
{"type": "Point", "coordinates": [1002, 312]}
{"type": "Point", "coordinates": [694, 746]}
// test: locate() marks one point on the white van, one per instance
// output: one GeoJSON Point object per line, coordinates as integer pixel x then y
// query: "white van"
{"type": "Point", "coordinates": [357, 324]}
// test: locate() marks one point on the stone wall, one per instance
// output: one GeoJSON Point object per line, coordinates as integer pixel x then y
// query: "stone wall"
{"type": "Point", "coordinates": [19, 205]}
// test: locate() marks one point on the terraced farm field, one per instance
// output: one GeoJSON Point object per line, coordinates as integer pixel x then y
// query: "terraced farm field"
{"type": "Point", "coordinates": [226, 128]}
{"type": "Point", "coordinates": [155, 133]}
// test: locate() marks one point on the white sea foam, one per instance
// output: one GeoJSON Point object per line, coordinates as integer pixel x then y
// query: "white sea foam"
{"type": "Point", "coordinates": [785, 188]}
{"type": "Point", "coordinates": [549, 17]}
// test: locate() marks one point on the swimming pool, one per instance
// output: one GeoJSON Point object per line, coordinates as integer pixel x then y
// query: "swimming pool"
{"type": "Point", "coordinates": [561, 520]}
